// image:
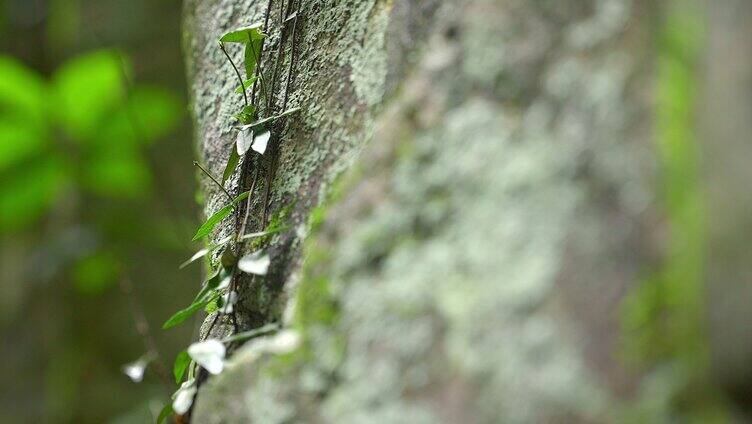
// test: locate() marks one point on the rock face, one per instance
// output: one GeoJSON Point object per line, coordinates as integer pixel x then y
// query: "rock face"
{"type": "Point", "coordinates": [471, 191]}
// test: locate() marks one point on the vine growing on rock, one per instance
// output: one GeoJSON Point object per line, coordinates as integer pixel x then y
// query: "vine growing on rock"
{"type": "Point", "coordinates": [259, 125]}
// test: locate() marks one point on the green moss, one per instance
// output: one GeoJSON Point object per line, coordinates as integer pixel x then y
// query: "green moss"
{"type": "Point", "coordinates": [315, 303]}
{"type": "Point", "coordinates": [669, 301]}
{"type": "Point", "coordinates": [460, 271]}
{"type": "Point", "coordinates": [279, 219]}
{"type": "Point", "coordinates": [663, 318]}
{"type": "Point", "coordinates": [212, 306]}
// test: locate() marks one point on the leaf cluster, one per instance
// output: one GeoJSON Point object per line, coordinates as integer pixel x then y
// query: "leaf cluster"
{"type": "Point", "coordinates": [75, 131]}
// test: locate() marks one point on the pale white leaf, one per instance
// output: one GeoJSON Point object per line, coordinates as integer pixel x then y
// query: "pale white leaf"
{"type": "Point", "coordinates": [135, 370]}
{"type": "Point", "coordinates": [195, 256]}
{"type": "Point", "coordinates": [210, 354]}
{"type": "Point", "coordinates": [225, 283]}
{"type": "Point", "coordinates": [260, 142]}
{"type": "Point", "coordinates": [284, 342]}
{"type": "Point", "coordinates": [255, 263]}
{"type": "Point", "coordinates": [280, 343]}
{"type": "Point", "coordinates": [182, 399]}
{"type": "Point", "coordinates": [244, 141]}
{"type": "Point", "coordinates": [291, 17]}
{"type": "Point", "coordinates": [223, 241]}
{"type": "Point", "coordinates": [228, 301]}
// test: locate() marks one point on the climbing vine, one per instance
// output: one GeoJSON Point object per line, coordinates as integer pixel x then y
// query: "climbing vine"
{"type": "Point", "coordinates": [259, 125]}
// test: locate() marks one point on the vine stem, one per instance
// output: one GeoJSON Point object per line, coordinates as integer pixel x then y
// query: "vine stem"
{"type": "Point", "coordinates": [237, 72]}
{"type": "Point", "coordinates": [248, 205]}
{"type": "Point", "coordinates": [143, 329]}
{"type": "Point", "coordinates": [292, 59]}
{"type": "Point", "coordinates": [233, 281]}
{"type": "Point", "coordinates": [261, 52]}
{"type": "Point", "coordinates": [208, 174]}
{"type": "Point", "coordinates": [283, 9]}
{"type": "Point", "coordinates": [274, 153]}
{"type": "Point", "coordinates": [258, 71]}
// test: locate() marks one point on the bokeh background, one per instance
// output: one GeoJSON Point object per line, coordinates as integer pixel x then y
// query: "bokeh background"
{"type": "Point", "coordinates": [98, 203]}
{"type": "Point", "coordinates": [97, 189]}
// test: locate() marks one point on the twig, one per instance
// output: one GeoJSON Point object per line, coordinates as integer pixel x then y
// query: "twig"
{"type": "Point", "coordinates": [230, 290]}
{"type": "Point", "coordinates": [261, 52]}
{"type": "Point", "coordinates": [269, 178]}
{"type": "Point", "coordinates": [282, 12]}
{"type": "Point", "coordinates": [208, 174]}
{"type": "Point", "coordinates": [292, 60]}
{"type": "Point", "coordinates": [275, 151]}
{"type": "Point", "coordinates": [237, 72]}
{"type": "Point", "coordinates": [142, 327]}
{"type": "Point", "coordinates": [248, 205]}
{"type": "Point", "coordinates": [260, 331]}
{"type": "Point", "coordinates": [258, 71]}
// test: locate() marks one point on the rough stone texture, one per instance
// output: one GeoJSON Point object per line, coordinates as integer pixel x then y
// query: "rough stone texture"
{"type": "Point", "coordinates": [470, 267]}
{"type": "Point", "coordinates": [339, 82]}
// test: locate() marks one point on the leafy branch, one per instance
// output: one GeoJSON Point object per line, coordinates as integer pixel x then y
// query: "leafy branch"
{"type": "Point", "coordinates": [257, 140]}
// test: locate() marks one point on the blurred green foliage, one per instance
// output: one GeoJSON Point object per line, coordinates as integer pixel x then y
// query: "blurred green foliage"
{"type": "Point", "coordinates": [96, 185]}
{"type": "Point", "coordinates": [99, 142]}
{"type": "Point", "coordinates": [664, 316]}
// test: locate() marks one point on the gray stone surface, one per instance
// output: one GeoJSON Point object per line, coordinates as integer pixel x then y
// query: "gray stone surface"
{"type": "Point", "coordinates": [468, 265]}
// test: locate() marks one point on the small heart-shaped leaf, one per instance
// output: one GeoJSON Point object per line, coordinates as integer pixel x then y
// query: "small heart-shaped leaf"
{"type": "Point", "coordinates": [244, 141]}
{"type": "Point", "coordinates": [260, 142]}
{"type": "Point", "coordinates": [243, 35]}
{"type": "Point", "coordinates": [255, 263]}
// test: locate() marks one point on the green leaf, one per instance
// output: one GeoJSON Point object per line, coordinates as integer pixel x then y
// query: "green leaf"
{"type": "Point", "coordinates": [96, 273]}
{"type": "Point", "coordinates": [203, 252]}
{"type": "Point", "coordinates": [217, 217]}
{"type": "Point", "coordinates": [232, 162]}
{"type": "Point", "coordinates": [247, 115]}
{"type": "Point", "coordinates": [22, 91]}
{"type": "Point", "coordinates": [148, 114]}
{"type": "Point", "coordinates": [212, 306]}
{"type": "Point", "coordinates": [117, 174]}
{"type": "Point", "coordinates": [198, 255]}
{"type": "Point", "coordinates": [24, 123]}
{"type": "Point", "coordinates": [164, 413]}
{"type": "Point", "coordinates": [206, 295]}
{"type": "Point", "coordinates": [184, 314]}
{"type": "Point", "coordinates": [181, 364]}
{"type": "Point", "coordinates": [247, 83]}
{"type": "Point", "coordinates": [156, 110]}
{"type": "Point", "coordinates": [26, 195]}
{"type": "Point", "coordinates": [211, 283]}
{"type": "Point", "coordinates": [86, 89]}
{"type": "Point", "coordinates": [20, 139]}
{"type": "Point", "coordinates": [250, 36]}
{"type": "Point", "coordinates": [243, 35]}
{"type": "Point", "coordinates": [252, 53]}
